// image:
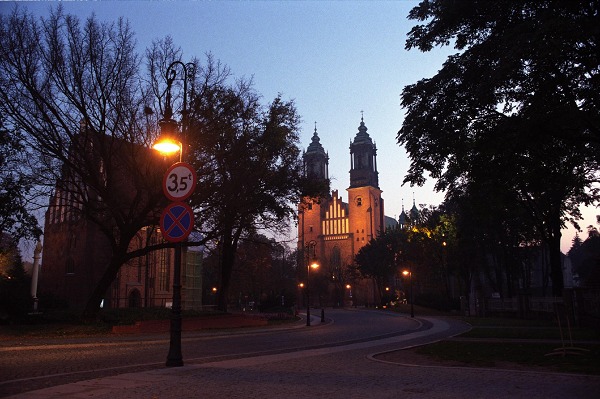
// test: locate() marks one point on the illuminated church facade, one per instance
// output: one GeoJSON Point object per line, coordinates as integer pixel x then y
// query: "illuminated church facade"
{"type": "Point", "coordinates": [334, 230]}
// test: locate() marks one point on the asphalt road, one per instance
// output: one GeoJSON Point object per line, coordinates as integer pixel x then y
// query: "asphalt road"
{"type": "Point", "coordinates": [35, 364]}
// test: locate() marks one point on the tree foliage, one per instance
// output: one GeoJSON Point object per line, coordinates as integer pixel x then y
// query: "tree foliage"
{"type": "Point", "coordinates": [263, 273]}
{"type": "Point", "coordinates": [73, 89]}
{"type": "Point", "coordinates": [415, 248]}
{"type": "Point", "coordinates": [76, 91]}
{"type": "Point", "coordinates": [16, 218]}
{"type": "Point", "coordinates": [585, 259]}
{"type": "Point", "coordinates": [248, 156]}
{"type": "Point", "coordinates": [516, 108]}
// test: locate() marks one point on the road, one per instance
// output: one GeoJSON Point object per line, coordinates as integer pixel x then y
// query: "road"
{"type": "Point", "coordinates": [331, 360]}
{"type": "Point", "coordinates": [33, 365]}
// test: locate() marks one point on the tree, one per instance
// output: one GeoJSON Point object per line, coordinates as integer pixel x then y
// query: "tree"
{"type": "Point", "coordinates": [74, 91]}
{"type": "Point", "coordinates": [248, 158]}
{"type": "Point", "coordinates": [15, 297]}
{"type": "Point", "coordinates": [585, 259]}
{"type": "Point", "coordinates": [531, 126]}
{"type": "Point", "coordinates": [262, 273]}
{"type": "Point", "coordinates": [16, 219]}
{"type": "Point", "coordinates": [379, 259]}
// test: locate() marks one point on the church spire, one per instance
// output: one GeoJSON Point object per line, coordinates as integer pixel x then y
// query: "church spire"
{"type": "Point", "coordinates": [316, 160]}
{"type": "Point", "coordinates": [403, 217]}
{"type": "Point", "coordinates": [363, 158]}
{"type": "Point", "coordinates": [414, 212]}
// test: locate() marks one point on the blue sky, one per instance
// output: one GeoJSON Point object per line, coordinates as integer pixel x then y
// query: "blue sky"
{"type": "Point", "coordinates": [334, 58]}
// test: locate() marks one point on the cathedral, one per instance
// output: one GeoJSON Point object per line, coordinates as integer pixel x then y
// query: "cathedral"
{"type": "Point", "coordinates": [332, 230]}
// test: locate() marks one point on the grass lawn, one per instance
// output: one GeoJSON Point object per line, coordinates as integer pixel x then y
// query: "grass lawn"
{"type": "Point", "coordinates": [525, 355]}
{"type": "Point", "coordinates": [484, 350]}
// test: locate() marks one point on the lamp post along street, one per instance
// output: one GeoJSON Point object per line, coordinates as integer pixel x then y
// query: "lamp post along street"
{"type": "Point", "coordinates": [408, 273]}
{"type": "Point", "coordinates": [177, 223]}
{"type": "Point", "coordinates": [309, 264]}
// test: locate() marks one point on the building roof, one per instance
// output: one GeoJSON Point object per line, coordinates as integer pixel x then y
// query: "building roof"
{"type": "Point", "coordinates": [362, 137]}
{"type": "Point", "coordinates": [315, 146]}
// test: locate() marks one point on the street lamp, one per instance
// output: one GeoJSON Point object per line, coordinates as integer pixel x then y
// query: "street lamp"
{"type": "Point", "coordinates": [167, 145]}
{"type": "Point", "coordinates": [408, 273]}
{"type": "Point", "coordinates": [170, 141]}
{"type": "Point", "coordinates": [349, 288]}
{"type": "Point", "coordinates": [310, 263]}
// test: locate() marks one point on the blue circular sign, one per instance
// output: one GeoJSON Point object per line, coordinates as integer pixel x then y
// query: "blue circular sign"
{"type": "Point", "coordinates": [176, 222]}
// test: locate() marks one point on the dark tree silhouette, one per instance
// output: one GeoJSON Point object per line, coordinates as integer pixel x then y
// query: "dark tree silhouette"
{"type": "Point", "coordinates": [516, 106]}
{"type": "Point", "coordinates": [249, 158]}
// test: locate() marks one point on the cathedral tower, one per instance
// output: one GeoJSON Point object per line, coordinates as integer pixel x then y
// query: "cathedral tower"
{"type": "Point", "coordinates": [316, 167]}
{"type": "Point", "coordinates": [316, 160]}
{"type": "Point", "coordinates": [334, 230]}
{"type": "Point", "coordinates": [364, 196]}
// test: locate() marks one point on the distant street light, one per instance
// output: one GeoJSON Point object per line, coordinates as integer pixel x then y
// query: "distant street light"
{"type": "Point", "coordinates": [349, 288]}
{"type": "Point", "coordinates": [408, 273]}
{"type": "Point", "coordinates": [310, 263]}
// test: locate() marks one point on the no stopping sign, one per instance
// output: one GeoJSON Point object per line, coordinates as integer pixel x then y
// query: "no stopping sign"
{"type": "Point", "coordinates": [176, 222]}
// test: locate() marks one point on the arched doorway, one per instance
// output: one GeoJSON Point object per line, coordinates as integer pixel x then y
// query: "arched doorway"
{"type": "Point", "coordinates": [135, 298]}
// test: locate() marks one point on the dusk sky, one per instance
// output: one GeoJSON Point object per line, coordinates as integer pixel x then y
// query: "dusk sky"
{"type": "Point", "coordinates": [334, 58]}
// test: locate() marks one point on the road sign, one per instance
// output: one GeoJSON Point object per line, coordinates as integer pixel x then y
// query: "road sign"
{"type": "Point", "coordinates": [176, 222]}
{"type": "Point", "coordinates": [179, 182]}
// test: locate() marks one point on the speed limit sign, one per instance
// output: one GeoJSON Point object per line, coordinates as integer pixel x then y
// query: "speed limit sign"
{"type": "Point", "coordinates": [179, 182]}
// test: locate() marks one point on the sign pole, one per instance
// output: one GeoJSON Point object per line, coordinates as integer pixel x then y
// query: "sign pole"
{"type": "Point", "coordinates": [174, 358]}
{"type": "Point", "coordinates": [176, 223]}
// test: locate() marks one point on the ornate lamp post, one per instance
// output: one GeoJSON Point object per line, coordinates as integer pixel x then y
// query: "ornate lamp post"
{"type": "Point", "coordinates": [35, 274]}
{"type": "Point", "coordinates": [408, 273]}
{"type": "Point", "coordinates": [310, 263]}
{"type": "Point", "coordinates": [172, 140]}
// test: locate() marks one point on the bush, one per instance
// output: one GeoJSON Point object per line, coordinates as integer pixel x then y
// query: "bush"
{"type": "Point", "coordinates": [437, 301]}
{"type": "Point", "coordinates": [272, 303]}
{"type": "Point", "coordinates": [15, 298]}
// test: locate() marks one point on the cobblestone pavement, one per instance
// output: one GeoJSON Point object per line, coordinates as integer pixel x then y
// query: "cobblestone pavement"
{"type": "Point", "coordinates": [340, 372]}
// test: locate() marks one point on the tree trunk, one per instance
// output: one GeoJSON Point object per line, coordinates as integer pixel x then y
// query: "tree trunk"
{"type": "Point", "coordinates": [93, 304]}
{"type": "Point", "coordinates": [228, 251]}
{"type": "Point", "coordinates": [227, 261]}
